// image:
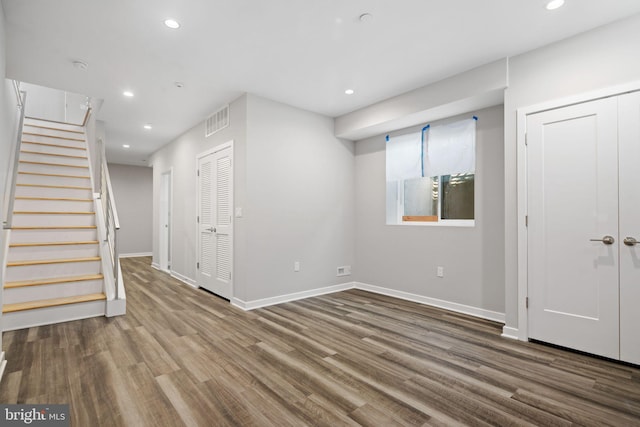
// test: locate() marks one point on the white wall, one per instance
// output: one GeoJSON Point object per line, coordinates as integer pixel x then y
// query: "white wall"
{"type": "Point", "coordinates": [8, 124]}
{"type": "Point", "coordinates": [600, 58]}
{"type": "Point", "coordinates": [49, 105]}
{"type": "Point", "coordinates": [133, 191]}
{"type": "Point", "coordinates": [180, 155]}
{"type": "Point", "coordinates": [294, 182]}
{"type": "Point", "coordinates": [300, 191]}
{"type": "Point", "coordinates": [404, 258]}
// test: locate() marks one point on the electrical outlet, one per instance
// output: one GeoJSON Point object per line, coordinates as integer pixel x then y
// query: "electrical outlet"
{"type": "Point", "coordinates": [440, 271]}
{"type": "Point", "coordinates": [296, 266]}
{"type": "Point", "coordinates": [343, 271]}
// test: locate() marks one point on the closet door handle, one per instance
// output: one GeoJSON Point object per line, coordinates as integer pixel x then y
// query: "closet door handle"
{"type": "Point", "coordinates": [630, 241]}
{"type": "Point", "coordinates": [607, 240]}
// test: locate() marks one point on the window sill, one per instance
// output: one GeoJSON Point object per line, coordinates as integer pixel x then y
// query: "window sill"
{"type": "Point", "coordinates": [441, 223]}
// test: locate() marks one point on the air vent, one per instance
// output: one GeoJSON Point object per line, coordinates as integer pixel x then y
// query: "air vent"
{"type": "Point", "coordinates": [217, 121]}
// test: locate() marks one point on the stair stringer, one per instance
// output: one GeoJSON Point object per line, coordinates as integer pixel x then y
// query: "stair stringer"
{"type": "Point", "coordinates": [114, 306]}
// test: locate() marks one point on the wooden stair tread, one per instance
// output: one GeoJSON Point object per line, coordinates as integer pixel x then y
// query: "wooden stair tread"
{"type": "Point", "coordinates": [29, 162]}
{"type": "Point", "coordinates": [54, 227]}
{"type": "Point", "coordinates": [57, 280]}
{"type": "Point", "coordinates": [51, 136]}
{"type": "Point", "coordinates": [70, 187]}
{"type": "Point", "coordinates": [52, 128]}
{"type": "Point", "coordinates": [50, 261]}
{"type": "Point", "coordinates": [67, 243]}
{"type": "Point", "coordinates": [52, 213]}
{"type": "Point", "coordinates": [53, 154]}
{"type": "Point", "coordinates": [54, 174]}
{"type": "Point", "coordinates": [32, 305]}
{"type": "Point", "coordinates": [45, 144]}
{"type": "Point", "coordinates": [57, 199]}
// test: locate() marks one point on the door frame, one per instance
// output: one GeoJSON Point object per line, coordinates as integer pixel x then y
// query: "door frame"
{"type": "Point", "coordinates": [521, 332]}
{"type": "Point", "coordinates": [170, 214]}
{"type": "Point", "coordinates": [220, 147]}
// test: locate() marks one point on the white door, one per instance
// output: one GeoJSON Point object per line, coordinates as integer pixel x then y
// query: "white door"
{"type": "Point", "coordinates": [215, 184]}
{"type": "Point", "coordinates": [165, 221]}
{"type": "Point", "coordinates": [629, 140]}
{"type": "Point", "coordinates": [572, 202]}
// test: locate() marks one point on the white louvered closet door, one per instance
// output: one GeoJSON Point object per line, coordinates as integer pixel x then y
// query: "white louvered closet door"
{"type": "Point", "coordinates": [215, 206]}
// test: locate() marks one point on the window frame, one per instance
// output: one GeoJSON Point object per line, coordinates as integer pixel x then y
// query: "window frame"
{"type": "Point", "coordinates": [439, 222]}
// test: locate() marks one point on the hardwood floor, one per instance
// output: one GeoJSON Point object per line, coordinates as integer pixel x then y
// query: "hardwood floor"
{"type": "Point", "coordinates": [184, 357]}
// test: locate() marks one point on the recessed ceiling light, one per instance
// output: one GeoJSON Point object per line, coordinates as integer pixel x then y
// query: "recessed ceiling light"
{"type": "Point", "coordinates": [554, 4]}
{"type": "Point", "coordinates": [80, 65]}
{"type": "Point", "coordinates": [349, 91]}
{"type": "Point", "coordinates": [126, 146]}
{"type": "Point", "coordinates": [147, 126]}
{"type": "Point", "coordinates": [172, 23]}
{"type": "Point", "coordinates": [128, 93]}
{"type": "Point", "coordinates": [179, 84]}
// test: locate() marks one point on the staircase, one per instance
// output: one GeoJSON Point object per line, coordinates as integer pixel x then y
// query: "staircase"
{"type": "Point", "coordinates": [54, 270]}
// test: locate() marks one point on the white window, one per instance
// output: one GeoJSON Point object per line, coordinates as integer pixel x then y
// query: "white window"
{"type": "Point", "coordinates": [431, 175]}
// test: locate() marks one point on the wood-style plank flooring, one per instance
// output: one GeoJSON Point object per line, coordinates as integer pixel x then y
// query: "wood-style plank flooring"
{"type": "Point", "coordinates": [182, 356]}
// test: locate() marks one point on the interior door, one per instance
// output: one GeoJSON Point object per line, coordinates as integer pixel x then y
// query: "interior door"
{"type": "Point", "coordinates": [215, 239]}
{"type": "Point", "coordinates": [629, 148]}
{"type": "Point", "coordinates": [572, 162]}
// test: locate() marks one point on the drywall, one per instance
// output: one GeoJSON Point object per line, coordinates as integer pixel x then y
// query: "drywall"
{"type": "Point", "coordinates": [600, 58]}
{"type": "Point", "coordinates": [8, 124]}
{"type": "Point", "coordinates": [8, 119]}
{"type": "Point", "coordinates": [49, 105]}
{"type": "Point", "coordinates": [405, 257]}
{"type": "Point", "coordinates": [180, 155]}
{"type": "Point", "coordinates": [475, 89]}
{"type": "Point", "coordinates": [133, 191]}
{"type": "Point", "coordinates": [300, 191]}
{"type": "Point", "coordinates": [293, 182]}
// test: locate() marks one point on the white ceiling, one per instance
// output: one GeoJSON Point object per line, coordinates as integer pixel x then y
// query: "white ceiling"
{"type": "Point", "coordinates": [301, 52]}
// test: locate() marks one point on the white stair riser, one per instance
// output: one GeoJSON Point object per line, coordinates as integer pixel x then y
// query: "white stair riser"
{"type": "Point", "coordinates": [30, 157]}
{"type": "Point", "coordinates": [51, 271]}
{"type": "Point", "coordinates": [51, 315]}
{"type": "Point", "coordinates": [52, 132]}
{"type": "Point", "coordinates": [58, 149]}
{"type": "Point", "coordinates": [76, 193]}
{"type": "Point", "coordinates": [26, 253]}
{"type": "Point", "coordinates": [37, 236]}
{"type": "Point", "coordinates": [56, 180]}
{"type": "Point", "coordinates": [60, 170]}
{"type": "Point", "coordinates": [53, 205]}
{"type": "Point", "coordinates": [58, 290]}
{"type": "Point", "coordinates": [27, 136]}
{"type": "Point", "coordinates": [47, 220]}
{"type": "Point", "coordinates": [31, 121]}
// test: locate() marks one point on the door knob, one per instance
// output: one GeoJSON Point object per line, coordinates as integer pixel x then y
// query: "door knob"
{"type": "Point", "coordinates": [630, 241]}
{"type": "Point", "coordinates": [607, 240]}
{"type": "Point", "coordinates": [211, 229]}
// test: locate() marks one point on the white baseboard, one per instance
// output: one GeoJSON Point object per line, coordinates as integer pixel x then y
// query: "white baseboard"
{"type": "Point", "coordinates": [509, 332]}
{"type": "Point", "coordinates": [265, 302]}
{"type": "Point", "coordinates": [447, 305]}
{"type": "Point", "coordinates": [157, 266]}
{"type": "Point", "coordinates": [183, 279]}
{"type": "Point", "coordinates": [135, 255]}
